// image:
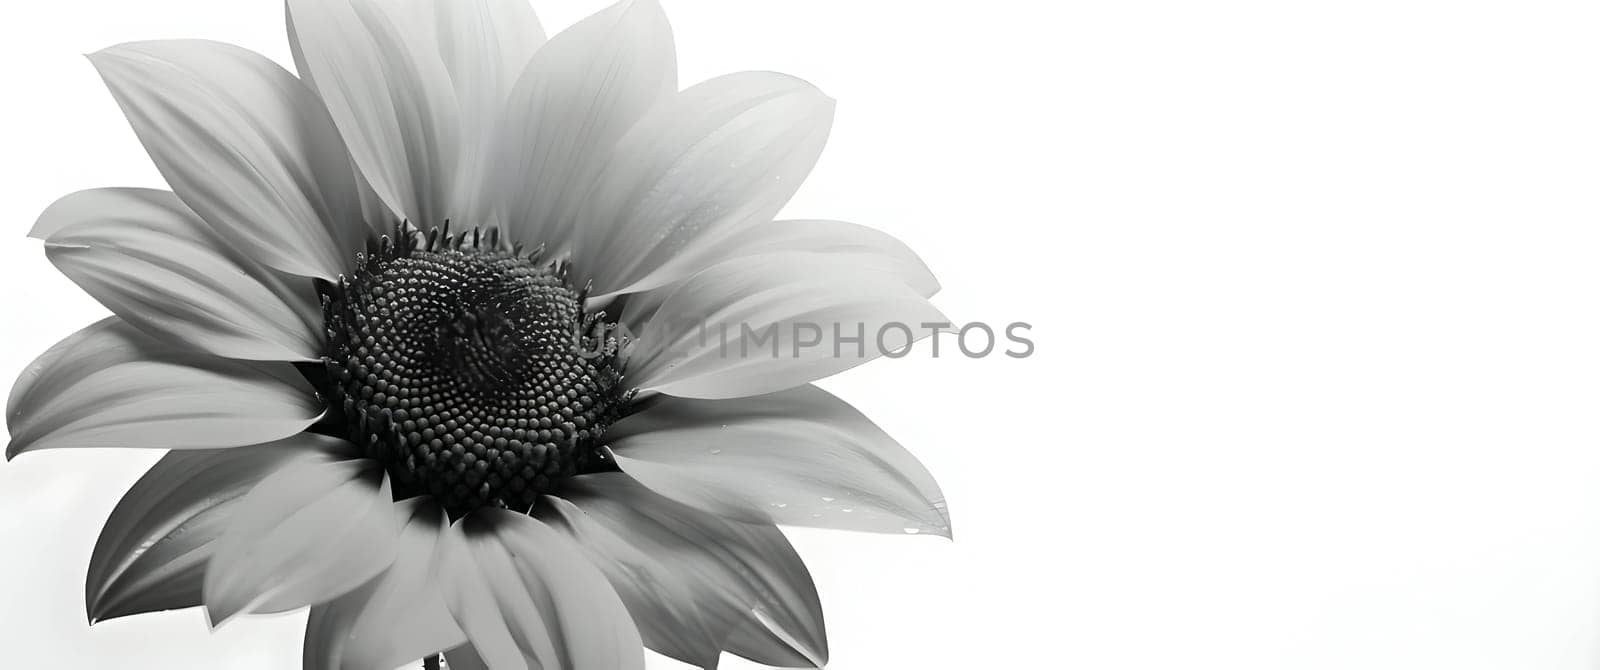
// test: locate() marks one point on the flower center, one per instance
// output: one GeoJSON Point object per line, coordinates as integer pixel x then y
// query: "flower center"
{"type": "Point", "coordinates": [470, 370]}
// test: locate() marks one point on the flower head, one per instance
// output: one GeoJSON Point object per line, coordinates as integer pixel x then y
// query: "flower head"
{"type": "Point", "coordinates": [412, 324]}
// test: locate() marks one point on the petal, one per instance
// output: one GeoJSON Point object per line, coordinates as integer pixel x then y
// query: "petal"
{"type": "Point", "coordinates": [247, 147]}
{"type": "Point", "coordinates": [151, 260]}
{"type": "Point", "coordinates": [485, 45]}
{"type": "Point", "coordinates": [664, 606]}
{"type": "Point", "coordinates": [524, 592]}
{"type": "Point", "coordinates": [394, 619]}
{"type": "Point", "coordinates": [722, 155]}
{"type": "Point", "coordinates": [838, 239]}
{"type": "Point", "coordinates": [691, 579]}
{"type": "Point", "coordinates": [381, 77]}
{"type": "Point", "coordinates": [800, 457]}
{"type": "Point", "coordinates": [312, 531]}
{"type": "Point", "coordinates": [768, 322]}
{"type": "Point", "coordinates": [112, 385]}
{"type": "Point", "coordinates": [578, 95]}
{"type": "Point", "coordinates": [153, 549]}
{"type": "Point", "coordinates": [765, 641]}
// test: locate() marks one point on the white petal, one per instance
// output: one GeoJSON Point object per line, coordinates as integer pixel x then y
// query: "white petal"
{"type": "Point", "coordinates": [665, 607]}
{"type": "Point", "coordinates": [112, 385]}
{"type": "Point", "coordinates": [723, 154]}
{"type": "Point", "coordinates": [246, 145]}
{"type": "Point", "coordinates": [839, 241]}
{"type": "Point", "coordinates": [768, 322]}
{"type": "Point", "coordinates": [381, 77]}
{"type": "Point", "coordinates": [484, 594]}
{"type": "Point", "coordinates": [528, 597]}
{"type": "Point", "coordinates": [394, 619]}
{"type": "Point", "coordinates": [152, 552]}
{"type": "Point", "coordinates": [492, 39]}
{"type": "Point", "coordinates": [800, 457]}
{"type": "Point", "coordinates": [312, 531]}
{"type": "Point", "coordinates": [485, 45]}
{"type": "Point", "coordinates": [766, 642]}
{"type": "Point", "coordinates": [578, 95]}
{"type": "Point", "coordinates": [854, 243]}
{"type": "Point", "coordinates": [151, 260]}
{"type": "Point", "coordinates": [691, 579]}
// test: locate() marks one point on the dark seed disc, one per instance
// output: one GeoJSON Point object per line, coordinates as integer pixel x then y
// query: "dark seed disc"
{"type": "Point", "coordinates": [471, 372]}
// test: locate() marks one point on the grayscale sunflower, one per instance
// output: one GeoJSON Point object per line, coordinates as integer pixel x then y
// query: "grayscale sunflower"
{"type": "Point", "coordinates": [400, 323]}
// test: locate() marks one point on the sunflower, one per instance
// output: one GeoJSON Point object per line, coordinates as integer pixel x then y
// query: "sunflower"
{"type": "Point", "coordinates": [469, 341]}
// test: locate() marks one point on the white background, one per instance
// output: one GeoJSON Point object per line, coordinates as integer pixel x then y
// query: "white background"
{"type": "Point", "coordinates": [1314, 289]}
